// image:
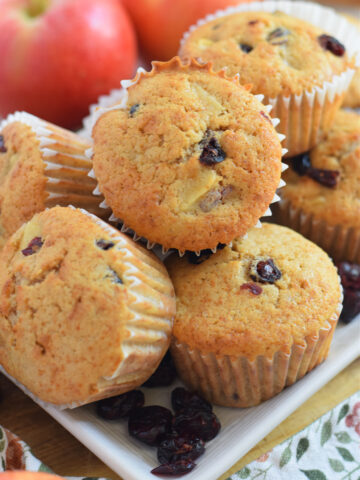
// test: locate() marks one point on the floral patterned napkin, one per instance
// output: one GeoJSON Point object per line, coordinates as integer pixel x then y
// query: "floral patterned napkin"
{"type": "Point", "coordinates": [328, 449]}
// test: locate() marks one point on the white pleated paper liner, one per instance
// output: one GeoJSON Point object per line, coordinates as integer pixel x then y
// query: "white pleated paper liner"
{"type": "Point", "coordinates": [341, 242]}
{"type": "Point", "coordinates": [113, 98]}
{"type": "Point", "coordinates": [148, 331]}
{"type": "Point", "coordinates": [161, 250]}
{"type": "Point", "coordinates": [304, 117]}
{"type": "Point", "coordinates": [237, 381]}
{"type": "Point", "coordinates": [66, 166]}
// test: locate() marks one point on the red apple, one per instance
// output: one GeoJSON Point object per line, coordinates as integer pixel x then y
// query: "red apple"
{"type": "Point", "coordinates": [58, 56]}
{"type": "Point", "coordinates": [160, 24]}
{"type": "Point", "coordinates": [22, 475]}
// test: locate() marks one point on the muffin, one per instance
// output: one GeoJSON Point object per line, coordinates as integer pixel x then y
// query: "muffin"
{"type": "Point", "coordinates": [85, 313]}
{"type": "Point", "coordinates": [255, 317]}
{"type": "Point", "coordinates": [322, 197]}
{"type": "Point", "coordinates": [191, 159]}
{"type": "Point", "coordinates": [302, 70]}
{"type": "Point", "coordinates": [115, 97]}
{"type": "Point", "coordinates": [352, 97]}
{"type": "Point", "coordinates": [41, 165]}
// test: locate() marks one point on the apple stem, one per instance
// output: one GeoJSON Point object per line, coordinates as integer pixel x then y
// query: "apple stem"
{"type": "Point", "coordinates": [36, 7]}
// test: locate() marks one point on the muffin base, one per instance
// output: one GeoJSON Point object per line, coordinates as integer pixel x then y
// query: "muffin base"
{"type": "Point", "coordinates": [232, 381]}
{"type": "Point", "coordinates": [340, 242]}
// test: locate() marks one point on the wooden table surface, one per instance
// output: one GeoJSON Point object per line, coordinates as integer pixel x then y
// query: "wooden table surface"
{"type": "Point", "coordinates": [66, 456]}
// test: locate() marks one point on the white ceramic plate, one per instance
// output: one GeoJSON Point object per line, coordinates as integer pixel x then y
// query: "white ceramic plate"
{"type": "Point", "coordinates": [241, 428]}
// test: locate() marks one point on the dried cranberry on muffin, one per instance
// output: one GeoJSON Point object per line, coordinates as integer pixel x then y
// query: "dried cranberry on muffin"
{"type": "Point", "coordinates": [191, 160]}
{"type": "Point", "coordinates": [85, 313]}
{"type": "Point", "coordinates": [322, 197]}
{"type": "Point", "coordinates": [302, 70]}
{"type": "Point", "coordinates": [41, 165]}
{"type": "Point", "coordinates": [255, 317]}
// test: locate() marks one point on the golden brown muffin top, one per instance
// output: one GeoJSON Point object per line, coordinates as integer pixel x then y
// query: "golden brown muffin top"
{"type": "Point", "coordinates": [352, 97]}
{"type": "Point", "coordinates": [276, 53]}
{"type": "Point", "coordinates": [22, 179]}
{"type": "Point", "coordinates": [192, 160]}
{"type": "Point", "coordinates": [72, 303]}
{"type": "Point", "coordinates": [338, 152]}
{"type": "Point", "coordinates": [224, 308]}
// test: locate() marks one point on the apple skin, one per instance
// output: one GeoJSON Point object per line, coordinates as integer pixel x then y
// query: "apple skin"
{"type": "Point", "coordinates": [25, 475]}
{"type": "Point", "coordinates": [160, 24]}
{"type": "Point", "coordinates": [58, 63]}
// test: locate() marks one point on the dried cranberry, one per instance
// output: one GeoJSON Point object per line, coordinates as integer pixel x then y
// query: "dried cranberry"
{"type": "Point", "coordinates": [176, 447]}
{"type": "Point", "coordinates": [150, 424]}
{"type": "Point", "coordinates": [263, 114]}
{"type": "Point", "coordinates": [264, 271]}
{"type": "Point", "coordinates": [120, 406]}
{"type": "Point", "coordinates": [275, 36]}
{"type": "Point", "coordinates": [204, 254]}
{"type": "Point", "coordinates": [104, 244]}
{"type": "Point", "coordinates": [133, 109]}
{"type": "Point", "coordinates": [182, 399]}
{"type": "Point", "coordinates": [253, 22]}
{"type": "Point", "coordinates": [33, 247]}
{"type": "Point", "coordinates": [301, 163]}
{"type": "Point", "coordinates": [328, 178]}
{"type": "Point", "coordinates": [164, 375]}
{"type": "Point", "coordinates": [245, 47]}
{"type": "Point", "coordinates": [3, 149]}
{"type": "Point", "coordinates": [252, 287]}
{"type": "Point", "coordinates": [211, 153]}
{"type": "Point", "coordinates": [114, 277]}
{"type": "Point", "coordinates": [201, 423]}
{"type": "Point", "coordinates": [350, 279]}
{"type": "Point", "coordinates": [178, 468]}
{"type": "Point", "coordinates": [327, 42]}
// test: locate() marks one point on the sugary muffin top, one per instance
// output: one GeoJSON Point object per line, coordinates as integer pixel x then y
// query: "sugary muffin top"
{"type": "Point", "coordinates": [257, 297]}
{"type": "Point", "coordinates": [22, 179]}
{"type": "Point", "coordinates": [192, 160]}
{"type": "Point", "coordinates": [72, 297]}
{"type": "Point", "coordinates": [329, 184]}
{"type": "Point", "coordinates": [352, 97]}
{"type": "Point", "coordinates": [274, 52]}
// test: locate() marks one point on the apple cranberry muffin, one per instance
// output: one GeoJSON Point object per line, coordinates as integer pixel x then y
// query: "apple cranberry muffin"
{"type": "Point", "coordinates": [352, 97]}
{"type": "Point", "coordinates": [191, 160]}
{"type": "Point", "coordinates": [290, 61]}
{"type": "Point", "coordinates": [254, 317]}
{"type": "Point", "coordinates": [322, 197]}
{"type": "Point", "coordinates": [41, 165]}
{"type": "Point", "coordinates": [85, 313]}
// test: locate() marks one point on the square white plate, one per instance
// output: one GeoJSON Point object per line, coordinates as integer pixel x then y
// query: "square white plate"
{"type": "Point", "coordinates": [241, 428]}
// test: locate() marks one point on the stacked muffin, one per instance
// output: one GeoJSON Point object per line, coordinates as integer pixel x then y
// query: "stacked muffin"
{"type": "Point", "coordinates": [186, 156]}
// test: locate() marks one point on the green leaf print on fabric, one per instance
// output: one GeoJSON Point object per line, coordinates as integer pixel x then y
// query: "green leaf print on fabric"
{"type": "Point", "coordinates": [343, 412]}
{"type": "Point", "coordinates": [325, 432]}
{"type": "Point", "coordinates": [244, 473]}
{"type": "Point", "coordinates": [336, 465]}
{"type": "Point", "coordinates": [303, 445]}
{"type": "Point", "coordinates": [285, 457]}
{"type": "Point", "coordinates": [346, 455]}
{"type": "Point", "coordinates": [343, 437]}
{"type": "Point", "coordinates": [314, 474]}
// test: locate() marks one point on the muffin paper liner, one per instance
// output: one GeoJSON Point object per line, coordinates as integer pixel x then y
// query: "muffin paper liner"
{"type": "Point", "coordinates": [104, 101]}
{"type": "Point", "coordinates": [235, 381]}
{"type": "Point", "coordinates": [118, 101]}
{"type": "Point", "coordinates": [304, 117]}
{"type": "Point", "coordinates": [152, 308]}
{"type": "Point", "coordinates": [340, 242]}
{"type": "Point", "coordinates": [66, 166]}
